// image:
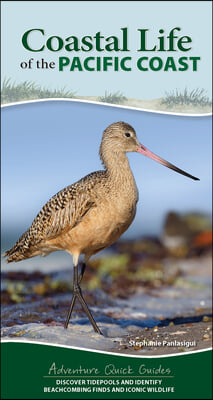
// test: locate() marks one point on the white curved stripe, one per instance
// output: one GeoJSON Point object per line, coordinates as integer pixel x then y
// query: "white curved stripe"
{"type": "Point", "coordinates": [105, 104]}
{"type": "Point", "coordinates": [102, 352]}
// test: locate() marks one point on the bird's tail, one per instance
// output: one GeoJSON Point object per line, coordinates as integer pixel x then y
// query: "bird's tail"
{"type": "Point", "coordinates": [19, 251]}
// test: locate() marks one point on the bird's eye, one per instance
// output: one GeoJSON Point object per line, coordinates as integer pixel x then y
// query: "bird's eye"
{"type": "Point", "coordinates": [127, 134]}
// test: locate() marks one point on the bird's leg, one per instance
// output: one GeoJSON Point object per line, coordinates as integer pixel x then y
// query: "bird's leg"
{"type": "Point", "coordinates": [78, 294]}
{"type": "Point", "coordinates": [70, 310]}
{"type": "Point", "coordinates": [80, 277]}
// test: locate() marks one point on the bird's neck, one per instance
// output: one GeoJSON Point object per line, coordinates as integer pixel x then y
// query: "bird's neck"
{"type": "Point", "coordinates": [117, 167]}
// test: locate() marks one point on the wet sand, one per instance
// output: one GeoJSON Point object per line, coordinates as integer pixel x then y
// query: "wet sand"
{"type": "Point", "coordinates": [151, 321]}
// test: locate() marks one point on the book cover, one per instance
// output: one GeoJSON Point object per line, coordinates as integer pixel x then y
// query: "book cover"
{"type": "Point", "coordinates": [106, 114]}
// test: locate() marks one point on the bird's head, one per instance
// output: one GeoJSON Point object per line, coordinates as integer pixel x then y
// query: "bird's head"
{"type": "Point", "coordinates": [120, 137]}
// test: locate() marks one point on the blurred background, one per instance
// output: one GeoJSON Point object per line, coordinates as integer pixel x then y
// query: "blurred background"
{"type": "Point", "coordinates": [49, 145]}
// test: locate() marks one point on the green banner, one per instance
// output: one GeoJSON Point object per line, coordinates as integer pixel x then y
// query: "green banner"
{"type": "Point", "coordinates": [39, 371]}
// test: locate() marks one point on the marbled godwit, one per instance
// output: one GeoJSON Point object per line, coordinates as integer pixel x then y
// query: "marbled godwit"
{"type": "Point", "coordinates": [91, 214]}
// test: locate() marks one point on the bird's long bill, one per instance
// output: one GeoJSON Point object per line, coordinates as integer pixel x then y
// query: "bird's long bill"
{"type": "Point", "coordinates": [143, 150]}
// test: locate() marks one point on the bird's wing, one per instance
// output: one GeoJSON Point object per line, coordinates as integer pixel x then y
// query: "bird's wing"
{"type": "Point", "coordinates": [61, 213]}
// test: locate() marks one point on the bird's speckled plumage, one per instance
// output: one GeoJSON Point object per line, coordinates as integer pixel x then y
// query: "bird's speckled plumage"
{"type": "Point", "coordinates": [92, 213]}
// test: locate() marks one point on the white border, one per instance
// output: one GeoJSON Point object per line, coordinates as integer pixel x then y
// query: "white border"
{"type": "Point", "coordinates": [105, 104]}
{"type": "Point", "coordinates": [103, 352]}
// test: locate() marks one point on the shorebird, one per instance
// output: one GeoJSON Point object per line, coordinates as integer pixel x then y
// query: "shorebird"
{"type": "Point", "coordinates": [90, 215]}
